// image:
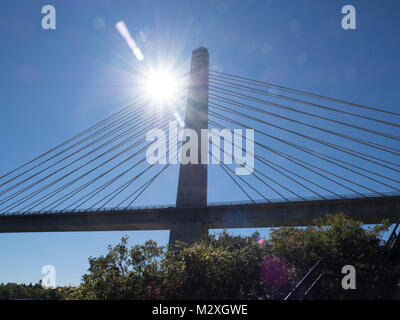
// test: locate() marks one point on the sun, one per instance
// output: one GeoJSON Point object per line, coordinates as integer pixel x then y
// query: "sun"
{"type": "Point", "coordinates": [162, 86]}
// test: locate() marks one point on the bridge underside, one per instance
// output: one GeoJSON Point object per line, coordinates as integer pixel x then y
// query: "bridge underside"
{"type": "Point", "coordinates": [368, 210]}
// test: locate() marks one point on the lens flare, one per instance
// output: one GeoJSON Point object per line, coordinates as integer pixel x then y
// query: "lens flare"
{"type": "Point", "coordinates": [123, 30]}
{"type": "Point", "coordinates": [274, 271]}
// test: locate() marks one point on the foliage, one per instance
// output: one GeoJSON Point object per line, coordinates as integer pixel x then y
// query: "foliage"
{"type": "Point", "coordinates": [336, 238]}
{"type": "Point", "coordinates": [235, 267]}
{"type": "Point", "coordinates": [14, 291]}
{"type": "Point", "coordinates": [123, 273]}
{"type": "Point", "coordinates": [223, 268]}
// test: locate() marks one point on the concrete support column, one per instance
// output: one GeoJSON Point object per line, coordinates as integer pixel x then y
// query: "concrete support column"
{"type": "Point", "coordinates": [189, 232]}
{"type": "Point", "coordinates": [192, 185]}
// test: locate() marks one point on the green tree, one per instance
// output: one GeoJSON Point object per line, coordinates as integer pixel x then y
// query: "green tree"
{"type": "Point", "coordinates": [236, 267]}
{"type": "Point", "coordinates": [335, 238]}
{"type": "Point", "coordinates": [123, 273]}
{"type": "Point", "coordinates": [223, 268]}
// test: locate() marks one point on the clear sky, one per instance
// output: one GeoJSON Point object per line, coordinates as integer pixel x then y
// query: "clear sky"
{"type": "Point", "coordinates": [56, 83]}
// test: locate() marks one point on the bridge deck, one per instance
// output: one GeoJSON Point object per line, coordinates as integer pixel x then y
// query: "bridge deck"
{"type": "Point", "coordinates": [299, 213]}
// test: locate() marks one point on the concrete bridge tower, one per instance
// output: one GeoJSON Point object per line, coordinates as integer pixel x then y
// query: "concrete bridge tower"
{"type": "Point", "coordinates": [192, 185]}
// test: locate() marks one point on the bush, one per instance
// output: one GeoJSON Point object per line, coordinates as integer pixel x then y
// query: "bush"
{"type": "Point", "coordinates": [236, 267]}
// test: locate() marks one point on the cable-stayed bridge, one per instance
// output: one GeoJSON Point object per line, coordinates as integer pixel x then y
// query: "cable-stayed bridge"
{"type": "Point", "coordinates": [312, 154]}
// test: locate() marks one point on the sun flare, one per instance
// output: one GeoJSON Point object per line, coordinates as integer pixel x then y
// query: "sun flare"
{"type": "Point", "coordinates": [162, 86]}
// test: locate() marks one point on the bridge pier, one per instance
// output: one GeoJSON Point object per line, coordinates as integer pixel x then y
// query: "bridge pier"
{"type": "Point", "coordinates": [189, 232]}
{"type": "Point", "coordinates": [192, 185]}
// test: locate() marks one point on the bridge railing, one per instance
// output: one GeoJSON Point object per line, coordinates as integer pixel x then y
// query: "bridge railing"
{"type": "Point", "coordinates": [298, 199]}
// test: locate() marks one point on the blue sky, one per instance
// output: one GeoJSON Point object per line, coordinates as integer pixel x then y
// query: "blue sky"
{"type": "Point", "coordinates": [57, 83]}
